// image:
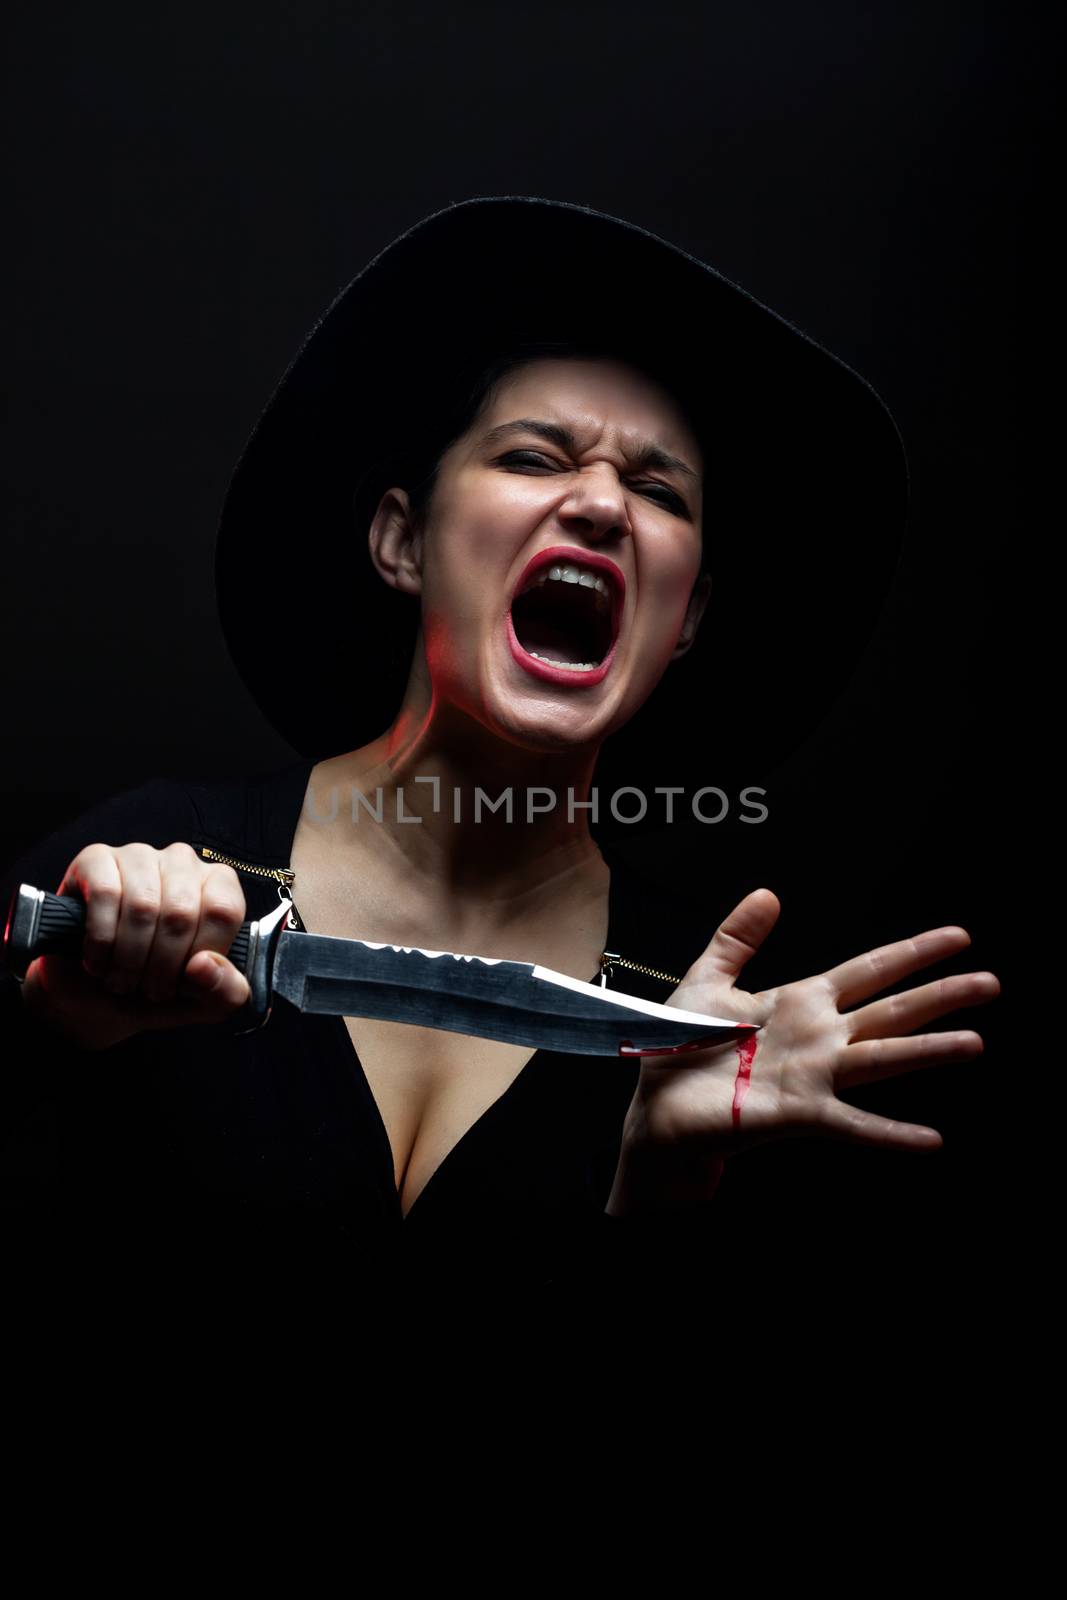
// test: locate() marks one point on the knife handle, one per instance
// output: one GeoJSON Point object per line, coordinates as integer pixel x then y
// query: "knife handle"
{"type": "Point", "coordinates": [43, 924]}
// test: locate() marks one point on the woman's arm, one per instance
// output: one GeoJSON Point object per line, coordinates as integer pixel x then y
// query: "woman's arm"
{"type": "Point", "coordinates": [651, 1181]}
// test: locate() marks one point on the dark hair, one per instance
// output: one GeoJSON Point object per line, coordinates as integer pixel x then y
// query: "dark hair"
{"type": "Point", "coordinates": [422, 469]}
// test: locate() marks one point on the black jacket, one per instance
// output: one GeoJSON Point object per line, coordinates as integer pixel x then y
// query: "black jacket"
{"type": "Point", "coordinates": [193, 1149]}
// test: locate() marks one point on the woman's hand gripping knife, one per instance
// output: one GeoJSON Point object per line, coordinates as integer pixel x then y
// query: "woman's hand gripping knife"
{"type": "Point", "coordinates": [158, 924]}
{"type": "Point", "coordinates": [689, 1113]}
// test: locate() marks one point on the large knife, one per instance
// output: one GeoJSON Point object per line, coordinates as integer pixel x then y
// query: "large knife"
{"type": "Point", "coordinates": [513, 1001]}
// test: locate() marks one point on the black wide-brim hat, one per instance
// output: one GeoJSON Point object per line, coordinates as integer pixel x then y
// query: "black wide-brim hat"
{"type": "Point", "coordinates": [805, 494]}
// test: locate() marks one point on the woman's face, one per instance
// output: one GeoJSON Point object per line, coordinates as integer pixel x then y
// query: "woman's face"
{"type": "Point", "coordinates": [557, 565]}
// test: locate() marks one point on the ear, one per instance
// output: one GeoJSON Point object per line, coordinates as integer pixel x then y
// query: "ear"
{"type": "Point", "coordinates": [695, 610]}
{"type": "Point", "coordinates": [394, 545]}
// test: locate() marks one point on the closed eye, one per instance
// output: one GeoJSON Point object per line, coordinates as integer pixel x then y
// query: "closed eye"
{"type": "Point", "coordinates": [673, 502]}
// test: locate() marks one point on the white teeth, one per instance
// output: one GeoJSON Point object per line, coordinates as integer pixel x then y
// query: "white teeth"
{"type": "Point", "coordinates": [571, 574]}
{"type": "Point", "coordinates": [570, 666]}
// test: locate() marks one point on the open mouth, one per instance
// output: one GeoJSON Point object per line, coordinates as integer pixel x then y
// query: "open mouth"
{"type": "Point", "coordinates": [566, 613]}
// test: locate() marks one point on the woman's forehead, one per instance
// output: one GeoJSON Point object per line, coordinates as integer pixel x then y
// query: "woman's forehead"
{"type": "Point", "coordinates": [586, 397]}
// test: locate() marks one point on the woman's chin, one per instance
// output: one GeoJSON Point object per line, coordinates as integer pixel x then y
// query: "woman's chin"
{"type": "Point", "coordinates": [541, 726]}
{"type": "Point", "coordinates": [535, 716]}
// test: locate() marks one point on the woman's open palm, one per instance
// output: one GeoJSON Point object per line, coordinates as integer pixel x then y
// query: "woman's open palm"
{"type": "Point", "coordinates": [810, 1046]}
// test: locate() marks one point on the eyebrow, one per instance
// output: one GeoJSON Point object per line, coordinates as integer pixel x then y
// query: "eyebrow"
{"type": "Point", "coordinates": [646, 454]}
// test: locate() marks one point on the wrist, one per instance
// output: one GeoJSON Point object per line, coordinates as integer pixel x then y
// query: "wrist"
{"type": "Point", "coordinates": [658, 1178]}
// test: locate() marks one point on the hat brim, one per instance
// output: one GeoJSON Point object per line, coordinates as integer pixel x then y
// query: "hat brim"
{"type": "Point", "coordinates": [806, 482]}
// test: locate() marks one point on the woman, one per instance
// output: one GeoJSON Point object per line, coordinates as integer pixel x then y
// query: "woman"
{"type": "Point", "coordinates": [580, 458]}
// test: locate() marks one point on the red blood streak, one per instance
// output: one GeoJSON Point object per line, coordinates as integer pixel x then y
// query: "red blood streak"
{"type": "Point", "coordinates": [746, 1052]}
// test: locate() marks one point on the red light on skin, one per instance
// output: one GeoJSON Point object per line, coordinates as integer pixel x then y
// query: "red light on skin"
{"type": "Point", "coordinates": [746, 1052]}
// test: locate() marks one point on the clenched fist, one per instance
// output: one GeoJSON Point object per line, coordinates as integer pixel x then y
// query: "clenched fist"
{"type": "Point", "coordinates": [158, 924]}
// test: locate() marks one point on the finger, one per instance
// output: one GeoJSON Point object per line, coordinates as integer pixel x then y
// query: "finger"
{"type": "Point", "coordinates": [94, 874]}
{"type": "Point", "coordinates": [902, 1013]}
{"type": "Point", "coordinates": [222, 911]}
{"type": "Point", "coordinates": [181, 878]}
{"type": "Point", "coordinates": [737, 939]}
{"type": "Point", "coordinates": [886, 1058]}
{"type": "Point", "coordinates": [853, 1126]}
{"type": "Point", "coordinates": [214, 984]}
{"type": "Point", "coordinates": [209, 990]}
{"type": "Point", "coordinates": [142, 894]}
{"type": "Point", "coordinates": [876, 969]}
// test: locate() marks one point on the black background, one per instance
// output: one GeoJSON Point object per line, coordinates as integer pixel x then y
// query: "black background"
{"type": "Point", "coordinates": [188, 188]}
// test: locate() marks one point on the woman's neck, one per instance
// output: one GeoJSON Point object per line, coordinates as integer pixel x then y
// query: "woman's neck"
{"type": "Point", "coordinates": [478, 832]}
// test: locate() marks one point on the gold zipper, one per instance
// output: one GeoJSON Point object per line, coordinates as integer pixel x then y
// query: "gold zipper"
{"type": "Point", "coordinates": [285, 875]}
{"type": "Point", "coordinates": [611, 959]}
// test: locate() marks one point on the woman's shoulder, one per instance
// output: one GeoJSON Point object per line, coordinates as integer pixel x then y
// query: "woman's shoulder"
{"type": "Point", "coordinates": [236, 813]}
{"type": "Point", "coordinates": [153, 812]}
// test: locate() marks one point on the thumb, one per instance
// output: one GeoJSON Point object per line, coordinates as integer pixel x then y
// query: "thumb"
{"type": "Point", "coordinates": [210, 976]}
{"type": "Point", "coordinates": [205, 972]}
{"type": "Point", "coordinates": [739, 936]}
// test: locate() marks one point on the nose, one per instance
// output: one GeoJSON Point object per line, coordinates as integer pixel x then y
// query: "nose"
{"type": "Point", "coordinates": [596, 506]}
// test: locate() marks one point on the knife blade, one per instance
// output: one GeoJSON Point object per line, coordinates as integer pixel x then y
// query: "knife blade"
{"type": "Point", "coordinates": [516, 1002]}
